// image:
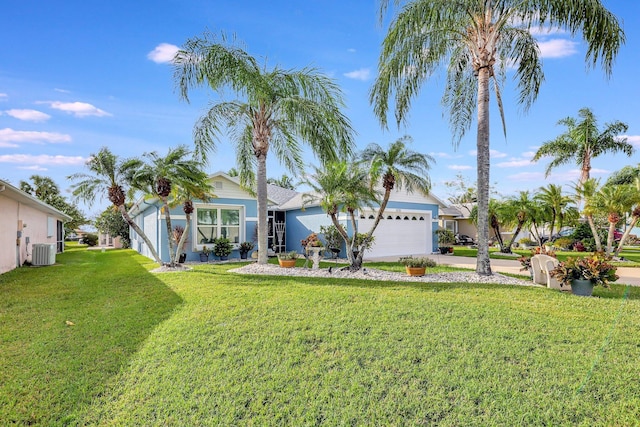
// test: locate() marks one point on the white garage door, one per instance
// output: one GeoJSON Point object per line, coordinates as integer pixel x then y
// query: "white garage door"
{"type": "Point", "coordinates": [399, 234]}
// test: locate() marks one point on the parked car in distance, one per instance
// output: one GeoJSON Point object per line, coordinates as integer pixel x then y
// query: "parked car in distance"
{"type": "Point", "coordinates": [463, 239]}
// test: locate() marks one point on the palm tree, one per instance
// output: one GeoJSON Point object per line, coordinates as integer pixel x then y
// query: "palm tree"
{"type": "Point", "coordinates": [587, 191]}
{"type": "Point", "coordinates": [397, 166]}
{"type": "Point", "coordinates": [634, 199]}
{"type": "Point", "coordinates": [278, 110]}
{"type": "Point", "coordinates": [516, 211]}
{"type": "Point", "coordinates": [284, 181]}
{"type": "Point", "coordinates": [615, 200]}
{"type": "Point", "coordinates": [197, 188]}
{"type": "Point", "coordinates": [344, 187]}
{"type": "Point", "coordinates": [583, 141]}
{"type": "Point", "coordinates": [558, 205]}
{"type": "Point", "coordinates": [156, 178]}
{"type": "Point", "coordinates": [480, 40]}
{"type": "Point", "coordinates": [109, 174]}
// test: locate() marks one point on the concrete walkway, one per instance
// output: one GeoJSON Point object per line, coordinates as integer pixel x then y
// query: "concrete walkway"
{"type": "Point", "coordinates": [628, 275]}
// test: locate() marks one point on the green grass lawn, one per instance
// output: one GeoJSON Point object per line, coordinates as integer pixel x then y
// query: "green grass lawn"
{"type": "Point", "coordinates": [208, 347]}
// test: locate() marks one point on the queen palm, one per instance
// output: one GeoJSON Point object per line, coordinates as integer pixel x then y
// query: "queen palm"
{"type": "Point", "coordinates": [558, 206]}
{"type": "Point", "coordinates": [587, 191]}
{"type": "Point", "coordinates": [197, 188]}
{"type": "Point", "coordinates": [109, 175]}
{"type": "Point", "coordinates": [278, 110]}
{"type": "Point", "coordinates": [157, 175]}
{"type": "Point", "coordinates": [478, 41]}
{"type": "Point", "coordinates": [398, 167]}
{"type": "Point", "coordinates": [634, 200]}
{"type": "Point", "coordinates": [583, 141]}
{"type": "Point", "coordinates": [516, 211]}
{"type": "Point", "coordinates": [344, 187]}
{"type": "Point", "coordinates": [614, 200]}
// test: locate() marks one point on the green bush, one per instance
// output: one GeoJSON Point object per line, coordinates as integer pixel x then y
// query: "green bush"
{"type": "Point", "coordinates": [563, 243]}
{"type": "Point", "coordinates": [90, 239]}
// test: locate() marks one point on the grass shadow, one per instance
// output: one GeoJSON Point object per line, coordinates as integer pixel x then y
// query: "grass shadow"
{"type": "Point", "coordinates": [67, 329]}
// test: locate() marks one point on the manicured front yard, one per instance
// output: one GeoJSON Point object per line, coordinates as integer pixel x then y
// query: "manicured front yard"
{"type": "Point", "coordinates": [208, 347]}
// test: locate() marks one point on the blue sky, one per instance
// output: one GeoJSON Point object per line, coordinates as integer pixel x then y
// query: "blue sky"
{"type": "Point", "coordinates": [79, 75]}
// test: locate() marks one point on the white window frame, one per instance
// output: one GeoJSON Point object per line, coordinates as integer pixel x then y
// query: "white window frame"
{"type": "Point", "coordinates": [197, 246]}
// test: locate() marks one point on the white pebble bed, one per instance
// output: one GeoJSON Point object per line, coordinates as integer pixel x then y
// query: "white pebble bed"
{"type": "Point", "coordinates": [373, 274]}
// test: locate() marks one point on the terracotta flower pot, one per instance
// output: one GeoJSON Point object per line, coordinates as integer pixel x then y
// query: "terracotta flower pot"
{"type": "Point", "coordinates": [287, 263]}
{"type": "Point", "coordinates": [415, 271]}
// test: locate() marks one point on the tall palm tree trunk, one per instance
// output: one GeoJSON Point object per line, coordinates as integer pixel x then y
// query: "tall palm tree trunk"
{"type": "Point", "coordinates": [261, 178]}
{"type": "Point", "coordinates": [127, 218]}
{"type": "Point", "coordinates": [483, 265]}
{"type": "Point", "coordinates": [167, 220]}
{"type": "Point", "coordinates": [626, 234]}
{"type": "Point", "coordinates": [594, 231]}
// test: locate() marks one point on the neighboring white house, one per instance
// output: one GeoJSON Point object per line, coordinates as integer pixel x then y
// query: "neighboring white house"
{"type": "Point", "coordinates": [26, 221]}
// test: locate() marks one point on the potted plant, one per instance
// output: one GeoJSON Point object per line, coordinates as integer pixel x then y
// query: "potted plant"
{"type": "Point", "coordinates": [222, 248]}
{"type": "Point", "coordinates": [585, 273]}
{"type": "Point", "coordinates": [416, 266]}
{"type": "Point", "coordinates": [446, 239]}
{"type": "Point", "coordinates": [244, 249]}
{"type": "Point", "coordinates": [287, 259]}
{"type": "Point", "coordinates": [204, 255]}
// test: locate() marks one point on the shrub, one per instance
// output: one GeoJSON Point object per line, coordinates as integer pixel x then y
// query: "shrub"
{"type": "Point", "coordinates": [526, 241]}
{"type": "Point", "coordinates": [90, 239]}
{"type": "Point", "coordinates": [222, 246]}
{"type": "Point", "coordinates": [331, 236]}
{"type": "Point", "coordinates": [563, 243]}
{"type": "Point", "coordinates": [288, 255]}
{"type": "Point", "coordinates": [417, 262]}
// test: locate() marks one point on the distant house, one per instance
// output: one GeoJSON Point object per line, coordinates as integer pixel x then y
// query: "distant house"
{"type": "Point", "coordinates": [26, 221]}
{"type": "Point", "coordinates": [407, 227]}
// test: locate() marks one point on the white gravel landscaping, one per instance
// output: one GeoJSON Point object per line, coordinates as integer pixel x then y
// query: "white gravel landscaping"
{"type": "Point", "coordinates": [374, 274]}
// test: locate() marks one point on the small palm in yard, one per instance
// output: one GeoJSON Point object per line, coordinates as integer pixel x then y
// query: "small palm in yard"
{"type": "Point", "coordinates": [277, 110]}
{"type": "Point", "coordinates": [109, 174]}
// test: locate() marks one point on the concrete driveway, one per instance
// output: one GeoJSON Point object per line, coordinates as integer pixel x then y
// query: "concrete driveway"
{"type": "Point", "coordinates": [628, 275]}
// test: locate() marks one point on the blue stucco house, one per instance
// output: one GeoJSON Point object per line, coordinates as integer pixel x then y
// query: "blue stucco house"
{"type": "Point", "coordinates": [407, 227]}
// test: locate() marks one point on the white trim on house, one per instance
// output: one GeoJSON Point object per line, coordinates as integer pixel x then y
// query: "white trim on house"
{"type": "Point", "coordinates": [242, 221]}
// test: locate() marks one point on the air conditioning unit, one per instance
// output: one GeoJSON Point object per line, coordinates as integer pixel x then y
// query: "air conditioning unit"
{"type": "Point", "coordinates": [44, 254]}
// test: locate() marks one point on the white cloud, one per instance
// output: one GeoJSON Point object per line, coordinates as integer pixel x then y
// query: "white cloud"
{"type": "Point", "coordinates": [633, 139]}
{"type": "Point", "coordinates": [3, 97]}
{"type": "Point", "coordinates": [361, 74]}
{"type": "Point", "coordinates": [78, 109]}
{"type": "Point", "coordinates": [61, 90]}
{"type": "Point", "coordinates": [441, 155]}
{"type": "Point", "coordinates": [9, 137]}
{"type": "Point", "coordinates": [43, 159]}
{"type": "Point", "coordinates": [33, 168]}
{"type": "Point", "coordinates": [460, 167]}
{"type": "Point", "coordinates": [495, 154]}
{"type": "Point", "coordinates": [514, 163]}
{"type": "Point", "coordinates": [28, 115]}
{"type": "Point", "coordinates": [557, 48]}
{"type": "Point", "coordinates": [163, 53]}
{"type": "Point", "coordinates": [527, 176]}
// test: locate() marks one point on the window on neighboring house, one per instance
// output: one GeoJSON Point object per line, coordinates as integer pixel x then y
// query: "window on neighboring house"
{"type": "Point", "coordinates": [217, 221]}
{"type": "Point", "coordinates": [51, 226]}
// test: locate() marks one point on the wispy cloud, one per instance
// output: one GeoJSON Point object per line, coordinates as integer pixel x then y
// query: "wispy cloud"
{"type": "Point", "coordinates": [514, 163]}
{"type": "Point", "coordinates": [351, 50]}
{"type": "Point", "coordinates": [3, 97]}
{"type": "Point", "coordinates": [495, 154]}
{"type": "Point", "coordinates": [78, 109]}
{"type": "Point", "coordinates": [61, 90]}
{"type": "Point", "coordinates": [43, 159]}
{"type": "Point", "coordinates": [28, 115]}
{"type": "Point", "coordinates": [633, 140]}
{"type": "Point", "coordinates": [442, 155]}
{"type": "Point", "coordinates": [10, 137]}
{"type": "Point", "coordinates": [557, 48]}
{"type": "Point", "coordinates": [460, 167]}
{"type": "Point", "coordinates": [35, 168]}
{"type": "Point", "coordinates": [163, 53]}
{"type": "Point", "coordinates": [362, 74]}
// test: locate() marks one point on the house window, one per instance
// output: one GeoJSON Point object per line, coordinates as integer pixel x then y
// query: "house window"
{"type": "Point", "coordinates": [450, 225]}
{"type": "Point", "coordinates": [217, 221]}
